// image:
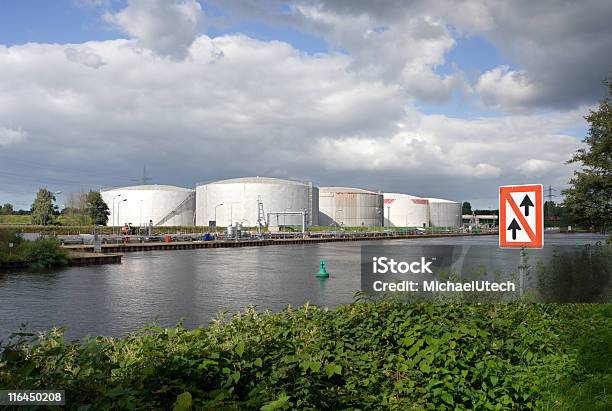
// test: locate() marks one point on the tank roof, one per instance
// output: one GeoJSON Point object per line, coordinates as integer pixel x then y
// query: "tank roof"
{"type": "Point", "coordinates": [404, 195]}
{"type": "Point", "coordinates": [345, 190]}
{"type": "Point", "coordinates": [440, 200]}
{"type": "Point", "coordinates": [150, 187]}
{"type": "Point", "coordinates": [254, 180]}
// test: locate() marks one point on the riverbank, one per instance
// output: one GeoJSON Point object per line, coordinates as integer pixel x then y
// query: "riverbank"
{"type": "Point", "coordinates": [382, 355]}
{"type": "Point", "coordinates": [74, 258]}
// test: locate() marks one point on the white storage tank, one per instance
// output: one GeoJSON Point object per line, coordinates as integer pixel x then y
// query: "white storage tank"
{"type": "Point", "coordinates": [163, 205]}
{"type": "Point", "coordinates": [237, 201]}
{"type": "Point", "coordinates": [404, 210]}
{"type": "Point", "coordinates": [350, 207]}
{"type": "Point", "coordinates": [444, 213]}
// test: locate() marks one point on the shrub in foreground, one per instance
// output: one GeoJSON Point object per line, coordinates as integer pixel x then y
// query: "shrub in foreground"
{"type": "Point", "coordinates": [381, 355]}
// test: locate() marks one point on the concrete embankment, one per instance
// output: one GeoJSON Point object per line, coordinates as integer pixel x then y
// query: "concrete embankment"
{"type": "Point", "coordinates": [185, 245]}
{"type": "Point", "coordinates": [90, 258]}
{"type": "Point", "coordinates": [75, 258]}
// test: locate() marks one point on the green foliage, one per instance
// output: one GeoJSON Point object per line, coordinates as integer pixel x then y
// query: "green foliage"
{"type": "Point", "coordinates": [97, 209]}
{"type": "Point", "coordinates": [382, 355]}
{"type": "Point", "coordinates": [581, 275]}
{"type": "Point", "coordinates": [6, 209]}
{"type": "Point", "coordinates": [44, 253]}
{"type": "Point", "coordinates": [466, 208]}
{"type": "Point", "coordinates": [8, 253]}
{"type": "Point", "coordinates": [589, 197]}
{"type": "Point", "coordinates": [43, 208]}
{"type": "Point", "coordinates": [39, 254]}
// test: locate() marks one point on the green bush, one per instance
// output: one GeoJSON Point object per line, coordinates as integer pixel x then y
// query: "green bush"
{"type": "Point", "coordinates": [44, 253]}
{"type": "Point", "coordinates": [380, 355]}
{"type": "Point", "coordinates": [7, 253]}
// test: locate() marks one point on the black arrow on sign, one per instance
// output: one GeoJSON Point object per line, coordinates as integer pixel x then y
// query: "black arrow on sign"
{"type": "Point", "coordinates": [514, 226]}
{"type": "Point", "coordinates": [526, 203]}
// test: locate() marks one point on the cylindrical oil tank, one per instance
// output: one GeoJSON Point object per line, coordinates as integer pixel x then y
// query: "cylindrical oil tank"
{"type": "Point", "coordinates": [350, 207]}
{"type": "Point", "coordinates": [160, 204]}
{"type": "Point", "coordinates": [243, 200]}
{"type": "Point", "coordinates": [404, 210]}
{"type": "Point", "coordinates": [444, 213]}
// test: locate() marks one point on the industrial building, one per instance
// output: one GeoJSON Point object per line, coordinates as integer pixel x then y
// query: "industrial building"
{"type": "Point", "coordinates": [350, 207]}
{"type": "Point", "coordinates": [404, 210]}
{"type": "Point", "coordinates": [444, 213]}
{"type": "Point", "coordinates": [160, 204]}
{"type": "Point", "coordinates": [252, 199]}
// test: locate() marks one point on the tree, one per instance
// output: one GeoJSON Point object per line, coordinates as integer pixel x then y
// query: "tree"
{"type": "Point", "coordinates": [6, 209]}
{"type": "Point", "coordinates": [43, 209]}
{"type": "Point", "coordinates": [589, 198]}
{"type": "Point", "coordinates": [466, 208]}
{"type": "Point", "coordinates": [75, 211]}
{"type": "Point", "coordinates": [97, 209]}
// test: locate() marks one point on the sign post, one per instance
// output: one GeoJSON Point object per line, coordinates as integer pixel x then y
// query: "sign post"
{"type": "Point", "coordinates": [521, 221]}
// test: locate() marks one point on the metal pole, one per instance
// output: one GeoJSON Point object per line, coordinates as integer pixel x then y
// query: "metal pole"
{"type": "Point", "coordinates": [522, 271]}
{"type": "Point", "coordinates": [118, 207]}
{"type": "Point", "coordinates": [118, 195]}
{"type": "Point", "coordinates": [216, 215]}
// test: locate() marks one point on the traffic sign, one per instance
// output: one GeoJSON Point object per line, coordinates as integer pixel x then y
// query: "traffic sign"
{"type": "Point", "coordinates": [521, 216]}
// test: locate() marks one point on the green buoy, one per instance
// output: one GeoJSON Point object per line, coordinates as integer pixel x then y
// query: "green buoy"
{"type": "Point", "coordinates": [322, 271]}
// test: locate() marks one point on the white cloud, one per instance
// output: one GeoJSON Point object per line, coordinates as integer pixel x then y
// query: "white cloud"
{"type": "Point", "coordinates": [502, 88]}
{"type": "Point", "coordinates": [167, 27]}
{"type": "Point", "coordinates": [84, 56]}
{"type": "Point", "coordinates": [405, 50]}
{"type": "Point", "coordinates": [11, 135]}
{"type": "Point", "coordinates": [239, 107]}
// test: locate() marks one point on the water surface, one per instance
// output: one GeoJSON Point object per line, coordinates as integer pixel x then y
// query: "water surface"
{"type": "Point", "coordinates": [194, 285]}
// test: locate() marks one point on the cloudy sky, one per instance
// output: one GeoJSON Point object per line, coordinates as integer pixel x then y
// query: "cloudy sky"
{"type": "Point", "coordinates": [435, 98]}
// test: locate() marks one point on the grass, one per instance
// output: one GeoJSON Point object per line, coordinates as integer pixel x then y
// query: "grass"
{"type": "Point", "coordinates": [15, 219]}
{"type": "Point", "coordinates": [590, 337]}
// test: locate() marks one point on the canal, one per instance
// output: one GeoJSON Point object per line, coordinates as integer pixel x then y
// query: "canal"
{"type": "Point", "coordinates": [164, 287]}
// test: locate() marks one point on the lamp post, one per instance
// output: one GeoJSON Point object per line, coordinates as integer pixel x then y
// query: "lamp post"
{"type": "Point", "coordinates": [218, 205]}
{"type": "Point", "coordinates": [118, 207]}
{"type": "Point", "coordinates": [114, 215]}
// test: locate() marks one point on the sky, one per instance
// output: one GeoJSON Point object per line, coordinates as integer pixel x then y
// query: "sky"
{"type": "Point", "coordinates": [441, 98]}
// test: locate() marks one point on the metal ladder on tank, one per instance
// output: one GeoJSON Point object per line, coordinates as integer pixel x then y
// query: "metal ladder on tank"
{"type": "Point", "coordinates": [260, 214]}
{"type": "Point", "coordinates": [177, 210]}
